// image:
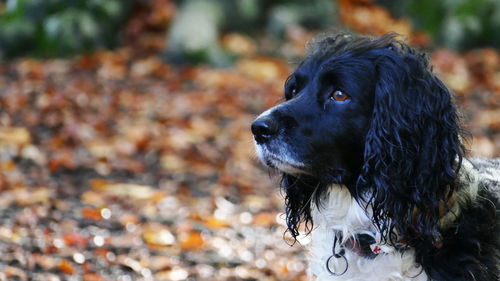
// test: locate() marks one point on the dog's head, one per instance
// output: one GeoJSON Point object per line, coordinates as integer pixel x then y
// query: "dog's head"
{"type": "Point", "coordinates": [369, 114]}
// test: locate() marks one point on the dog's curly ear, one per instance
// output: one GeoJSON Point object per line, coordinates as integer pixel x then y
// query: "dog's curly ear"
{"type": "Point", "coordinates": [413, 148]}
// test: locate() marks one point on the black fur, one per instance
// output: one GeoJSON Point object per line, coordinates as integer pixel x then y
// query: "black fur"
{"type": "Point", "coordinates": [470, 249]}
{"type": "Point", "coordinates": [396, 143]}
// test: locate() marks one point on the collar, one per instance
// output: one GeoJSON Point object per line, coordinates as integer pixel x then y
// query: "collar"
{"type": "Point", "coordinates": [363, 244]}
{"type": "Point", "coordinates": [366, 245]}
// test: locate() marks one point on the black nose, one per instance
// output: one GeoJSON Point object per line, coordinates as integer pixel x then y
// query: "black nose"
{"type": "Point", "coordinates": [264, 129]}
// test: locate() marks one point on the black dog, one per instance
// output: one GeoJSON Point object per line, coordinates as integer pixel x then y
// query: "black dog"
{"type": "Point", "coordinates": [371, 151]}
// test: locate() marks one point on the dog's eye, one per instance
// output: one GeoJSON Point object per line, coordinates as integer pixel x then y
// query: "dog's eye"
{"type": "Point", "coordinates": [339, 96]}
{"type": "Point", "coordinates": [291, 93]}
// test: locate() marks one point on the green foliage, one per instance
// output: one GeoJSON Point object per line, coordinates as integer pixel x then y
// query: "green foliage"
{"type": "Point", "coordinates": [50, 28]}
{"type": "Point", "coordinates": [458, 24]}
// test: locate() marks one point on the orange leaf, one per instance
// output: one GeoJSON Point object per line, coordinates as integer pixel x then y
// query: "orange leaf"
{"type": "Point", "coordinates": [15, 135]}
{"type": "Point", "coordinates": [66, 267]}
{"type": "Point", "coordinates": [93, 277]}
{"type": "Point", "coordinates": [265, 219]}
{"type": "Point", "coordinates": [129, 219]}
{"type": "Point", "coordinates": [98, 184]}
{"type": "Point", "coordinates": [216, 223]}
{"type": "Point", "coordinates": [191, 241]}
{"type": "Point", "coordinates": [91, 214]}
{"type": "Point", "coordinates": [75, 239]}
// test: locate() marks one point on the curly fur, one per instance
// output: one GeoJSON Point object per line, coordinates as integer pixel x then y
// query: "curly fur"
{"type": "Point", "coordinates": [396, 145]}
{"type": "Point", "coordinates": [421, 139]}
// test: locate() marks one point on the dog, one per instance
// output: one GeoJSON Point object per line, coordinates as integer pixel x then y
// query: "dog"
{"type": "Point", "coordinates": [371, 150]}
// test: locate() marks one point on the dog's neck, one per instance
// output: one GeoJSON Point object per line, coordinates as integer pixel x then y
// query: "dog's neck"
{"type": "Point", "coordinates": [341, 211]}
{"type": "Point", "coordinates": [339, 216]}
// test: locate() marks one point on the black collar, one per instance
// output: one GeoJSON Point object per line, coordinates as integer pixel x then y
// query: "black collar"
{"type": "Point", "coordinates": [361, 244]}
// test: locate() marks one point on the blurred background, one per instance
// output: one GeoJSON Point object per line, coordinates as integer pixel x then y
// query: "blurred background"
{"type": "Point", "coordinates": [125, 149]}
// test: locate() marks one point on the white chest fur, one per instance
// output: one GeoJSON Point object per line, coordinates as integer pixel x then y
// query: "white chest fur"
{"type": "Point", "coordinates": [340, 213]}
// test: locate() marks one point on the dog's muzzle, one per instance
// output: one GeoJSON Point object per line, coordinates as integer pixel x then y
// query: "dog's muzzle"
{"type": "Point", "coordinates": [271, 149]}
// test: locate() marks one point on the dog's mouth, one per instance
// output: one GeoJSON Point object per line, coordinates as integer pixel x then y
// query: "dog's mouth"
{"type": "Point", "coordinates": [283, 163]}
{"type": "Point", "coordinates": [275, 162]}
{"type": "Point", "coordinates": [283, 160]}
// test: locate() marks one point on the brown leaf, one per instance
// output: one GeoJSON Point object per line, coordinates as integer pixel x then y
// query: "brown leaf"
{"type": "Point", "coordinates": [265, 218]}
{"type": "Point", "coordinates": [133, 264]}
{"type": "Point", "coordinates": [239, 44]}
{"type": "Point", "coordinates": [15, 272]}
{"type": "Point", "coordinates": [99, 184]}
{"type": "Point", "coordinates": [134, 191]}
{"type": "Point", "coordinates": [175, 274]}
{"type": "Point", "coordinates": [452, 69]}
{"type": "Point", "coordinates": [91, 213]}
{"type": "Point", "coordinates": [483, 64]}
{"type": "Point", "coordinates": [30, 69]}
{"type": "Point", "coordinates": [66, 267]}
{"type": "Point", "coordinates": [63, 158]}
{"type": "Point", "coordinates": [482, 147]}
{"type": "Point", "coordinates": [157, 235]}
{"type": "Point", "coordinates": [26, 197]}
{"type": "Point", "coordinates": [366, 17]}
{"type": "Point", "coordinates": [14, 135]}
{"type": "Point", "coordinates": [489, 119]}
{"type": "Point", "coordinates": [93, 277]}
{"type": "Point", "coordinates": [101, 149]}
{"type": "Point", "coordinates": [93, 198]}
{"type": "Point", "coordinates": [113, 65]}
{"type": "Point", "coordinates": [158, 263]}
{"type": "Point", "coordinates": [214, 222]}
{"type": "Point", "coordinates": [173, 163]}
{"type": "Point", "coordinates": [191, 241]}
{"type": "Point", "coordinates": [145, 67]}
{"type": "Point", "coordinates": [75, 239]}
{"type": "Point", "coordinates": [45, 261]}
{"type": "Point", "coordinates": [262, 69]}
{"type": "Point", "coordinates": [7, 166]}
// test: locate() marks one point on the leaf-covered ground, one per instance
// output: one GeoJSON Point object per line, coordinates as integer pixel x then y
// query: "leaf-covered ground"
{"type": "Point", "coordinates": [117, 166]}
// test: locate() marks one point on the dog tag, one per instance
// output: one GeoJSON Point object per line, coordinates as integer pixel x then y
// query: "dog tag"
{"type": "Point", "coordinates": [337, 264]}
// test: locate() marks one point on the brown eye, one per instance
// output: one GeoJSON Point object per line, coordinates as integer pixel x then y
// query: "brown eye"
{"type": "Point", "coordinates": [339, 96]}
{"type": "Point", "coordinates": [291, 93]}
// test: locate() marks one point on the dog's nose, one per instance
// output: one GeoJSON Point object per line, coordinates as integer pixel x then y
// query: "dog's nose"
{"type": "Point", "coordinates": [264, 129]}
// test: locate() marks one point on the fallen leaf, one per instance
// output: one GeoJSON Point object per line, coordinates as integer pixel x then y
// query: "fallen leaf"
{"type": "Point", "coordinates": [91, 213]}
{"type": "Point", "coordinates": [262, 69]}
{"type": "Point", "coordinates": [14, 135]}
{"type": "Point", "coordinates": [239, 44]}
{"type": "Point", "coordinates": [93, 198]}
{"type": "Point", "coordinates": [66, 267]}
{"type": "Point", "coordinates": [45, 261]}
{"type": "Point", "coordinates": [214, 222]}
{"type": "Point", "coordinates": [26, 197]}
{"type": "Point", "coordinates": [128, 218]}
{"type": "Point", "coordinates": [265, 219]}
{"type": "Point", "coordinates": [93, 277]}
{"type": "Point", "coordinates": [191, 241]}
{"type": "Point", "coordinates": [74, 239]}
{"type": "Point", "coordinates": [157, 235]}
{"type": "Point", "coordinates": [15, 272]}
